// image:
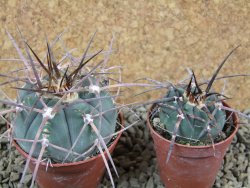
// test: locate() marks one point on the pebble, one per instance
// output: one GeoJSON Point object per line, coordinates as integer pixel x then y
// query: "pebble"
{"type": "Point", "coordinates": [14, 176]}
{"type": "Point", "coordinates": [5, 185]}
{"type": "Point", "coordinates": [150, 183]}
{"type": "Point", "coordinates": [137, 148]}
{"type": "Point", "coordinates": [5, 174]}
{"type": "Point", "coordinates": [134, 183]}
{"type": "Point", "coordinates": [144, 117]}
{"type": "Point", "coordinates": [143, 166]}
{"type": "Point", "coordinates": [27, 179]}
{"type": "Point", "coordinates": [146, 135]}
{"type": "Point", "coordinates": [124, 177]}
{"type": "Point", "coordinates": [5, 180]}
{"type": "Point", "coordinates": [133, 118]}
{"type": "Point", "coordinates": [129, 142]}
{"type": "Point", "coordinates": [157, 178]}
{"type": "Point", "coordinates": [121, 149]}
{"type": "Point", "coordinates": [131, 131]}
{"type": "Point", "coordinates": [127, 164]}
{"type": "Point", "coordinates": [143, 177]}
{"type": "Point", "coordinates": [147, 154]}
{"type": "Point", "coordinates": [123, 184]}
{"type": "Point", "coordinates": [160, 186]}
{"type": "Point", "coordinates": [141, 109]}
{"type": "Point", "coordinates": [150, 170]}
{"type": "Point", "coordinates": [139, 134]}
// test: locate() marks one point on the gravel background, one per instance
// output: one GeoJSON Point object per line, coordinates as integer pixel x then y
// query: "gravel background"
{"type": "Point", "coordinates": [135, 159]}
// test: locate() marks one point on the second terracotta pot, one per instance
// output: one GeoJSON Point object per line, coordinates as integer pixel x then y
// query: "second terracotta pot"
{"type": "Point", "coordinates": [189, 166]}
{"type": "Point", "coordinates": [82, 174]}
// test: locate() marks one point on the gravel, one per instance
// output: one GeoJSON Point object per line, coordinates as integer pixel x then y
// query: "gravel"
{"type": "Point", "coordinates": [135, 159]}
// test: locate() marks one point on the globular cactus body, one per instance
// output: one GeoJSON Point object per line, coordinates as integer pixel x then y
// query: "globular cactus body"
{"type": "Point", "coordinates": [195, 118]}
{"type": "Point", "coordinates": [63, 129]}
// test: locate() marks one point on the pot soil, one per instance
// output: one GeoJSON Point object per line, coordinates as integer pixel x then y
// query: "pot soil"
{"type": "Point", "coordinates": [190, 166]}
{"type": "Point", "coordinates": [87, 173]}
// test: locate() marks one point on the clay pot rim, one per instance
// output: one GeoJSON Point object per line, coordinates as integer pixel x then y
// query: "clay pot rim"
{"type": "Point", "coordinates": [235, 121]}
{"type": "Point", "coordinates": [24, 154]}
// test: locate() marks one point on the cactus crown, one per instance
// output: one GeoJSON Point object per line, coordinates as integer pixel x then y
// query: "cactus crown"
{"type": "Point", "coordinates": [197, 110]}
{"type": "Point", "coordinates": [57, 80]}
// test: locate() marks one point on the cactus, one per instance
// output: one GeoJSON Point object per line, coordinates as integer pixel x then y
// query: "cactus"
{"type": "Point", "coordinates": [196, 114]}
{"type": "Point", "coordinates": [64, 111]}
{"type": "Point", "coordinates": [64, 123]}
{"type": "Point", "coordinates": [192, 115]}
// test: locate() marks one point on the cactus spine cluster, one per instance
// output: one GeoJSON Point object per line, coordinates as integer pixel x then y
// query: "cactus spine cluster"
{"type": "Point", "coordinates": [63, 108]}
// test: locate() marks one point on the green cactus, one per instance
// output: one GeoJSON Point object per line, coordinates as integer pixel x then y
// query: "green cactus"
{"type": "Point", "coordinates": [192, 113]}
{"type": "Point", "coordinates": [195, 116]}
{"type": "Point", "coordinates": [73, 102]}
{"type": "Point", "coordinates": [63, 129]}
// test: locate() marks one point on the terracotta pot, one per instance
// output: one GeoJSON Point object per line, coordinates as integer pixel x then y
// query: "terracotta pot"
{"type": "Point", "coordinates": [189, 166]}
{"type": "Point", "coordinates": [87, 173]}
